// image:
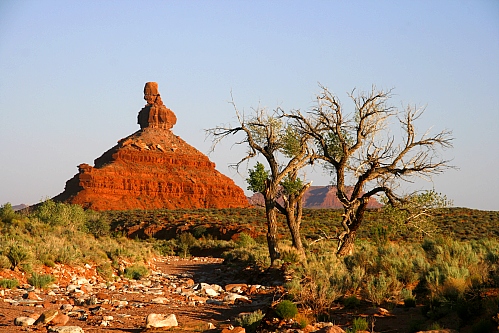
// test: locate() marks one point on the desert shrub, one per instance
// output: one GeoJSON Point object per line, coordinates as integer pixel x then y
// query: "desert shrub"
{"type": "Point", "coordinates": [4, 262]}
{"type": "Point", "coordinates": [250, 321]}
{"type": "Point", "coordinates": [7, 213]}
{"type": "Point", "coordinates": [185, 241]}
{"type": "Point", "coordinates": [435, 326]}
{"type": "Point", "coordinates": [97, 224]}
{"type": "Point", "coordinates": [136, 272]}
{"type": "Point", "coordinates": [165, 247]}
{"type": "Point", "coordinates": [380, 287]}
{"type": "Point", "coordinates": [105, 270]}
{"type": "Point", "coordinates": [9, 283]}
{"type": "Point", "coordinates": [40, 280]}
{"type": "Point", "coordinates": [199, 231]}
{"type": "Point", "coordinates": [359, 324]}
{"type": "Point", "coordinates": [17, 254]}
{"type": "Point", "coordinates": [245, 240]}
{"type": "Point", "coordinates": [319, 282]}
{"type": "Point", "coordinates": [290, 255]}
{"type": "Point", "coordinates": [408, 298]}
{"type": "Point", "coordinates": [68, 254]}
{"type": "Point", "coordinates": [351, 302]}
{"type": "Point", "coordinates": [53, 213]}
{"type": "Point", "coordinates": [286, 309]}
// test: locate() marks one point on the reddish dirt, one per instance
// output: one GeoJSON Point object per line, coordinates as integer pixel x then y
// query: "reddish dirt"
{"type": "Point", "coordinates": [131, 317]}
{"type": "Point", "coordinates": [152, 168]}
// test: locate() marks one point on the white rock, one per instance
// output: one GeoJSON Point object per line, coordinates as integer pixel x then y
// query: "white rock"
{"type": "Point", "coordinates": [160, 320]}
{"type": "Point", "coordinates": [71, 288]}
{"type": "Point", "coordinates": [80, 281]}
{"type": "Point", "coordinates": [231, 297]}
{"type": "Point", "coordinates": [159, 300]}
{"type": "Point", "coordinates": [211, 292]}
{"type": "Point", "coordinates": [216, 287]}
{"type": "Point", "coordinates": [24, 321]}
{"type": "Point", "coordinates": [66, 307]}
{"type": "Point", "coordinates": [66, 329]}
{"type": "Point", "coordinates": [108, 318]}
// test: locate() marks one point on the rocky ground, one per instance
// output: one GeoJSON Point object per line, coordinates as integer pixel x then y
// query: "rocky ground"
{"type": "Point", "coordinates": [202, 293]}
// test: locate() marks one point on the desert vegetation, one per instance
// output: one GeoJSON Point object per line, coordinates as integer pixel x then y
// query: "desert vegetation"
{"type": "Point", "coordinates": [452, 271]}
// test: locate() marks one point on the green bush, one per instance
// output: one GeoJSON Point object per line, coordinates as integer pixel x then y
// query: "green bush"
{"type": "Point", "coordinates": [359, 324]}
{"type": "Point", "coordinates": [286, 310]}
{"type": "Point", "coordinates": [165, 247]}
{"type": "Point", "coordinates": [9, 283]}
{"type": "Point", "coordinates": [40, 280]}
{"type": "Point", "coordinates": [4, 262]}
{"type": "Point", "coordinates": [244, 240]}
{"type": "Point", "coordinates": [7, 213]}
{"type": "Point", "coordinates": [136, 272]}
{"type": "Point", "coordinates": [377, 288]}
{"type": "Point", "coordinates": [97, 225]}
{"type": "Point", "coordinates": [250, 321]}
{"type": "Point", "coordinates": [17, 254]}
{"type": "Point", "coordinates": [351, 302]}
{"type": "Point", "coordinates": [186, 241]}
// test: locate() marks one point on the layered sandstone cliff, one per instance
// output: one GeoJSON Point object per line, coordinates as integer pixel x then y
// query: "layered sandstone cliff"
{"type": "Point", "coordinates": [152, 168]}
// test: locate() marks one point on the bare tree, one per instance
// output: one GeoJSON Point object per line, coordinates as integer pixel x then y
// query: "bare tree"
{"type": "Point", "coordinates": [360, 148]}
{"type": "Point", "coordinates": [268, 135]}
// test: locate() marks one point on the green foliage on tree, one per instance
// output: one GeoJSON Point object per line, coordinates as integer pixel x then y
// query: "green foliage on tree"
{"type": "Point", "coordinates": [415, 213]}
{"type": "Point", "coordinates": [257, 178]}
{"type": "Point", "coordinates": [290, 186]}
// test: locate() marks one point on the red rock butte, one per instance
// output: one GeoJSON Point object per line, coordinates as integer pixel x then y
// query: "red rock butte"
{"type": "Point", "coordinates": [152, 168]}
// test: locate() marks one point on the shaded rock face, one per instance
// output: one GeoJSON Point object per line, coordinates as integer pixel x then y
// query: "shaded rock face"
{"type": "Point", "coordinates": [321, 197]}
{"type": "Point", "coordinates": [152, 168]}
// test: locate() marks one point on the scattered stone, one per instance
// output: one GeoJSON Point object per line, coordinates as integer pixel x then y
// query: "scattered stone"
{"type": "Point", "coordinates": [60, 319]}
{"type": "Point", "coordinates": [24, 321]}
{"type": "Point", "coordinates": [236, 288]}
{"type": "Point", "coordinates": [161, 320]}
{"type": "Point", "coordinates": [231, 297]}
{"type": "Point", "coordinates": [331, 329]}
{"type": "Point", "coordinates": [31, 295]}
{"type": "Point", "coordinates": [159, 300]}
{"type": "Point", "coordinates": [46, 317]}
{"type": "Point", "coordinates": [234, 330]}
{"type": "Point", "coordinates": [66, 329]}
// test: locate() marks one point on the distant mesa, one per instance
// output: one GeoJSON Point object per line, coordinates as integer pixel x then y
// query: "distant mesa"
{"type": "Point", "coordinates": [320, 197]}
{"type": "Point", "coordinates": [152, 168]}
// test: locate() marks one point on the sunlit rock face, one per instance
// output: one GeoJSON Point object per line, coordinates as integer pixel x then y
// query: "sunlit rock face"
{"type": "Point", "coordinates": [152, 168]}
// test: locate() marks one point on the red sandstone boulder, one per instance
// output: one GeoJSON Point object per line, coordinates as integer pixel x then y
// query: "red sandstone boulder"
{"type": "Point", "coordinates": [152, 168]}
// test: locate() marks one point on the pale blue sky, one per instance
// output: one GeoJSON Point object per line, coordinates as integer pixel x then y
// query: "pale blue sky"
{"type": "Point", "coordinates": [72, 74]}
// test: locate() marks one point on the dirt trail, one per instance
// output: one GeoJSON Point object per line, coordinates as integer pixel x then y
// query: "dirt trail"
{"type": "Point", "coordinates": [171, 288]}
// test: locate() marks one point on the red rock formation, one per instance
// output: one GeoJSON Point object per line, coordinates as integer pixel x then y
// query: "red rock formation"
{"type": "Point", "coordinates": [318, 197]}
{"type": "Point", "coordinates": [152, 168]}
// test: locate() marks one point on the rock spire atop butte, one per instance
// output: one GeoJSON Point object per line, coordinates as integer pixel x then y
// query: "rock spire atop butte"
{"type": "Point", "coordinates": [152, 168]}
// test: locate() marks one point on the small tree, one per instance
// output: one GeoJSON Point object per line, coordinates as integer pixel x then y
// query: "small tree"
{"type": "Point", "coordinates": [291, 191]}
{"type": "Point", "coordinates": [269, 136]}
{"type": "Point", "coordinates": [359, 148]}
